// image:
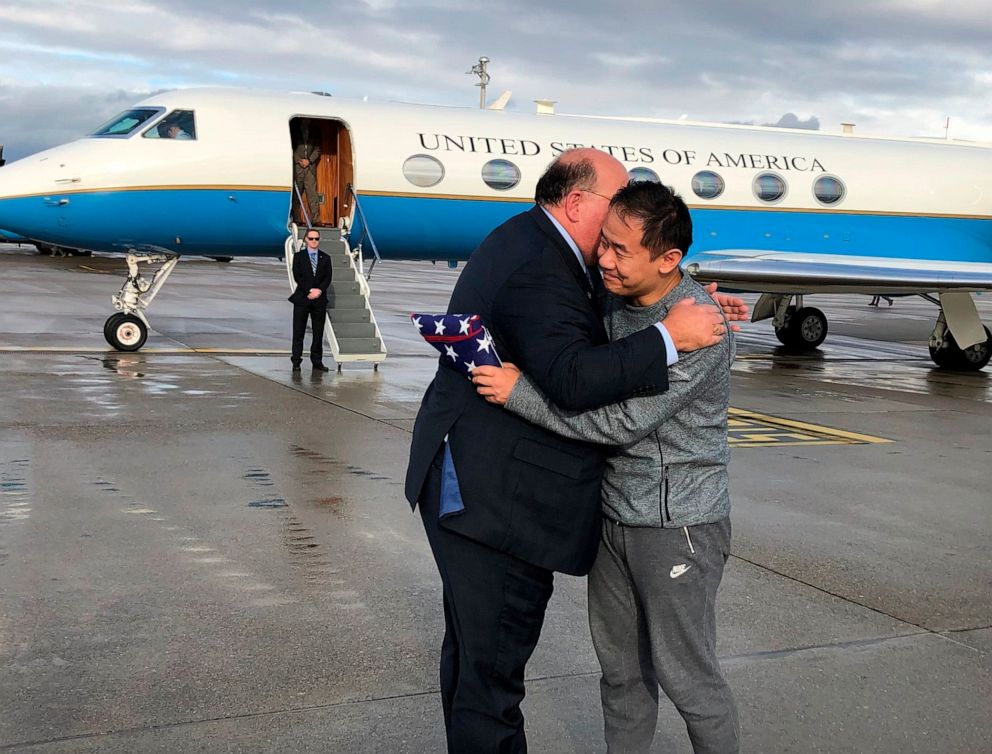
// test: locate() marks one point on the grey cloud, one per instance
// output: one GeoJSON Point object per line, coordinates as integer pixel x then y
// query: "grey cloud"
{"type": "Point", "coordinates": [873, 61]}
{"type": "Point", "coordinates": [36, 118]}
{"type": "Point", "coordinates": [791, 120]}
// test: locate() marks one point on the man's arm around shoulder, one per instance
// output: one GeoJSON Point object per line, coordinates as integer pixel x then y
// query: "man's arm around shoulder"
{"type": "Point", "coordinates": [548, 323]}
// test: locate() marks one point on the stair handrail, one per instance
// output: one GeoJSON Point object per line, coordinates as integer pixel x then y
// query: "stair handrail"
{"type": "Point", "coordinates": [299, 198]}
{"type": "Point", "coordinates": [366, 233]}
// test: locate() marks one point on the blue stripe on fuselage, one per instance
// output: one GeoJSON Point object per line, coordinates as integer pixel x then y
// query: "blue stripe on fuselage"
{"type": "Point", "coordinates": [239, 222]}
{"type": "Point", "coordinates": [423, 228]}
{"type": "Point", "coordinates": [229, 222]}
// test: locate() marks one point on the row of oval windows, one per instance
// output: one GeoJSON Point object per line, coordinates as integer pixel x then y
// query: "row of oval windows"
{"type": "Point", "coordinates": [426, 171]}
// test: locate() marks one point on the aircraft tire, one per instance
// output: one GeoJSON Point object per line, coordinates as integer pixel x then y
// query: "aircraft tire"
{"type": "Point", "coordinates": [128, 334]}
{"type": "Point", "coordinates": [805, 330]}
{"type": "Point", "coordinates": [110, 324]}
{"type": "Point", "coordinates": [957, 359]}
{"type": "Point", "coordinates": [222, 259]}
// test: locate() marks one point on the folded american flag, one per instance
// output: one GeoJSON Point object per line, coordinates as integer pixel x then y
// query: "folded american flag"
{"type": "Point", "coordinates": [462, 339]}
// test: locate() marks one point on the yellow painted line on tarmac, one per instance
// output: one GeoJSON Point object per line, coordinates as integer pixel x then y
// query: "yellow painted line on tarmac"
{"type": "Point", "coordinates": [749, 429]}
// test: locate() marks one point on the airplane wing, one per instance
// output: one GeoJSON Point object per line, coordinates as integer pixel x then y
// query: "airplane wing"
{"type": "Point", "coordinates": [803, 273]}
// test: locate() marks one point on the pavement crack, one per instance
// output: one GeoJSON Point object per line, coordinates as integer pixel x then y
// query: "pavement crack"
{"type": "Point", "coordinates": [849, 600]}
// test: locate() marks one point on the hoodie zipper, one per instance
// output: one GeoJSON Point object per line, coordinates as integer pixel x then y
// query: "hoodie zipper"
{"type": "Point", "coordinates": [668, 514]}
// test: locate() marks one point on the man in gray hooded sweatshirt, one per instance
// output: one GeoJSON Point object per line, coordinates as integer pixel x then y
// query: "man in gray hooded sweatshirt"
{"type": "Point", "coordinates": [666, 507]}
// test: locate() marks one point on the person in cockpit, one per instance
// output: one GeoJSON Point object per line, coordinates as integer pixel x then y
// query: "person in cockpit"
{"type": "Point", "coordinates": [175, 131]}
{"type": "Point", "coordinates": [172, 130]}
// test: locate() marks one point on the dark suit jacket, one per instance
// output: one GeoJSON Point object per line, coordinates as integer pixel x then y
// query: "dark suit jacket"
{"type": "Point", "coordinates": [305, 278]}
{"type": "Point", "coordinates": [528, 492]}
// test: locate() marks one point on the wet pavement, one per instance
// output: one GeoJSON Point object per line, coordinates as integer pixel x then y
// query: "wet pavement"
{"type": "Point", "coordinates": [199, 552]}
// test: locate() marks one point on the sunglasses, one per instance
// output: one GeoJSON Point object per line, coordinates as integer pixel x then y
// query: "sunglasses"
{"type": "Point", "coordinates": [313, 238]}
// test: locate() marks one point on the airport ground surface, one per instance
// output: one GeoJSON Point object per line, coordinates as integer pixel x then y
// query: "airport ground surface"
{"type": "Point", "coordinates": [199, 552]}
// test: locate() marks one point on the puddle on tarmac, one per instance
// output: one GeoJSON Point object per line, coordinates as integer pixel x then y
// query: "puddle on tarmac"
{"type": "Point", "coordinates": [272, 502]}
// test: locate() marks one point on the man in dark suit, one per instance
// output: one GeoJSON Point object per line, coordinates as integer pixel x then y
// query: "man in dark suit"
{"type": "Point", "coordinates": [312, 274]}
{"type": "Point", "coordinates": [504, 503]}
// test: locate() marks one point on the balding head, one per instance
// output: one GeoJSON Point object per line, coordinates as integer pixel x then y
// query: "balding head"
{"type": "Point", "coordinates": [576, 189]}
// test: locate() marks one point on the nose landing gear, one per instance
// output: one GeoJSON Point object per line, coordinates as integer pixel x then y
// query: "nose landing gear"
{"type": "Point", "coordinates": [127, 330]}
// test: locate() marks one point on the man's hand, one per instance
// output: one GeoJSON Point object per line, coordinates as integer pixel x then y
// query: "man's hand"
{"type": "Point", "coordinates": [304, 163]}
{"type": "Point", "coordinates": [496, 383]}
{"type": "Point", "coordinates": [734, 308]}
{"type": "Point", "coordinates": [314, 293]}
{"type": "Point", "coordinates": [694, 326]}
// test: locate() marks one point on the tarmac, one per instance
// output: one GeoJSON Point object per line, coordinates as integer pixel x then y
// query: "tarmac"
{"type": "Point", "coordinates": [199, 552]}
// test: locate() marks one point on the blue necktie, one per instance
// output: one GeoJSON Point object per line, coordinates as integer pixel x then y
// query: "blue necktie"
{"type": "Point", "coordinates": [313, 263]}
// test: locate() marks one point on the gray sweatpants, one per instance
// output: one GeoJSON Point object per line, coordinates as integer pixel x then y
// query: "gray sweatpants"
{"type": "Point", "coordinates": [652, 611]}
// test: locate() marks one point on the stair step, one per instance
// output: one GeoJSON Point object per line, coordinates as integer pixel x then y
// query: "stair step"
{"type": "Point", "coordinates": [360, 345]}
{"type": "Point", "coordinates": [338, 263]}
{"type": "Point", "coordinates": [346, 330]}
{"type": "Point", "coordinates": [345, 276]}
{"type": "Point", "coordinates": [329, 234]}
{"type": "Point", "coordinates": [346, 301]}
{"type": "Point", "coordinates": [345, 287]}
{"type": "Point", "coordinates": [349, 316]}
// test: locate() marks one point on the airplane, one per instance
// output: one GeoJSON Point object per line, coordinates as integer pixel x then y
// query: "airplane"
{"type": "Point", "coordinates": [782, 212]}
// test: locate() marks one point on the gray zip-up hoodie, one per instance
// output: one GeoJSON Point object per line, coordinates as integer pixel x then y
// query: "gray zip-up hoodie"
{"type": "Point", "coordinates": [670, 468]}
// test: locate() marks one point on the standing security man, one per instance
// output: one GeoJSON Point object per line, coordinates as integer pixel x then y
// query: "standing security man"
{"type": "Point", "coordinates": [312, 274]}
{"type": "Point", "coordinates": [306, 155]}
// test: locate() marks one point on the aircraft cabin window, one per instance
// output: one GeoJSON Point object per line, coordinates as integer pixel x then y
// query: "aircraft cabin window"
{"type": "Point", "coordinates": [500, 174]}
{"type": "Point", "coordinates": [707, 185]}
{"type": "Point", "coordinates": [125, 123]}
{"type": "Point", "coordinates": [179, 124]}
{"type": "Point", "coordinates": [637, 175]}
{"type": "Point", "coordinates": [769, 187]}
{"type": "Point", "coordinates": [828, 190]}
{"type": "Point", "coordinates": [423, 170]}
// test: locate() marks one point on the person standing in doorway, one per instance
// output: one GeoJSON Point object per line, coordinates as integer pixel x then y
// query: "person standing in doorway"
{"type": "Point", "coordinates": [312, 274]}
{"type": "Point", "coordinates": [306, 155]}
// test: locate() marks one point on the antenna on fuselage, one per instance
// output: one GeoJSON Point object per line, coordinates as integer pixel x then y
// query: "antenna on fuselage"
{"type": "Point", "coordinates": [479, 69]}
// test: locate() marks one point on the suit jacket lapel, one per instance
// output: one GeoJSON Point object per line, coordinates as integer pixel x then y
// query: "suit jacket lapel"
{"type": "Point", "coordinates": [549, 229]}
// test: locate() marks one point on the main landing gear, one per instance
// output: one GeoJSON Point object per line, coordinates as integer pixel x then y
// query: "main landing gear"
{"type": "Point", "coordinates": [958, 322]}
{"type": "Point", "coordinates": [797, 327]}
{"type": "Point", "coordinates": [127, 330]}
{"type": "Point", "coordinates": [959, 342]}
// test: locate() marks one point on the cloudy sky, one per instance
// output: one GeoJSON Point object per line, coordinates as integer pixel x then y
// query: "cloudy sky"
{"type": "Point", "coordinates": [891, 66]}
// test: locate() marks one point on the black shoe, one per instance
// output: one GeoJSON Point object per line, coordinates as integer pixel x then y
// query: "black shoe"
{"type": "Point", "coordinates": [296, 368]}
{"type": "Point", "coordinates": [320, 368]}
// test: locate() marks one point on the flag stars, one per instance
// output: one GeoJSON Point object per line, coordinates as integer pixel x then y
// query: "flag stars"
{"type": "Point", "coordinates": [419, 324]}
{"type": "Point", "coordinates": [439, 327]}
{"type": "Point", "coordinates": [463, 325]}
{"type": "Point", "coordinates": [451, 353]}
{"type": "Point", "coordinates": [484, 343]}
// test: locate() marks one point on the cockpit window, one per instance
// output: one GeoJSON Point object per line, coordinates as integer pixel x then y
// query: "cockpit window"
{"type": "Point", "coordinates": [179, 124]}
{"type": "Point", "coordinates": [125, 123]}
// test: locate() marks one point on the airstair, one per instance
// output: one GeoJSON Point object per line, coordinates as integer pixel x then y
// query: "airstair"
{"type": "Point", "coordinates": [351, 329]}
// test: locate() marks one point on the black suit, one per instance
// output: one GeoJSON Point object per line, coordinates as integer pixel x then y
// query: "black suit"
{"type": "Point", "coordinates": [532, 498]}
{"type": "Point", "coordinates": [303, 308]}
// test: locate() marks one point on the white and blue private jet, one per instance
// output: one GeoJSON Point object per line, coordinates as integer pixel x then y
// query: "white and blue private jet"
{"type": "Point", "coordinates": [782, 212]}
